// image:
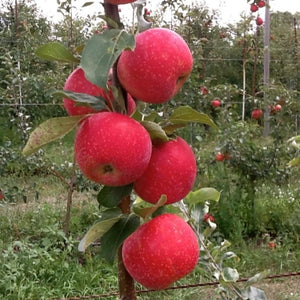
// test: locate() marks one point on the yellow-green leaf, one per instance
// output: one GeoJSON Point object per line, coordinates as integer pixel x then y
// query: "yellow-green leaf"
{"type": "Point", "coordinates": [96, 232]}
{"type": "Point", "coordinates": [155, 131]}
{"type": "Point", "coordinates": [202, 195]}
{"type": "Point", "coordinates": [56, 51]}
{"type": "Point", "coordinates": [49, 131]}
{"type": "Point", "coordinates": [186, 114]}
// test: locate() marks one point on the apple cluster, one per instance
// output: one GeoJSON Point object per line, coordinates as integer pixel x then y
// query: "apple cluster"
{"type": "Point", "coordinates": [114, 149]}
{"type": "Point", "coordinates": [254, 7]}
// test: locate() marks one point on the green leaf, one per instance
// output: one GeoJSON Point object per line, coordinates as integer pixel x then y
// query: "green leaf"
{"type": "Point", "coordinates": [98, 103]}
{"type": "Point", "coordinates": [229, 255]}
{"type": "Point", "coordinates": [257, 277]}
{"type": "Point", "coordinates": [101, 51]}
{"type": "Point", "coordinates": [202, 195]}
{"type": "Point", "coordinates": [155, 131]}
{"type": "Point", "coordinates": [253, 293]}
{"type": "Point", "coordinates": [294, 162]}
{"type": "Point", "coordinates": [56, 51]}
{"type": "Point", "coordinates": [186, 114]}
{"type": "Point", "coordinates": [49, 131]}
{"type": "Point", "coordinates": [146, 212]}
{"type": "Point", "coordinates": [112, 196]}
{"type": "Point", "coordinates": [112, 239]}
{"type": "Point", "coordinates": [109, 218]}
{"type": "Point", "coordinates": [229, 274]}
{"type": "Point", "coordinates": [87, 3]}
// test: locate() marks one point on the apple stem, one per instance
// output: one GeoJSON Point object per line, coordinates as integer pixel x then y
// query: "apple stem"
{"type": "Point", "coordinates": [126, 283]}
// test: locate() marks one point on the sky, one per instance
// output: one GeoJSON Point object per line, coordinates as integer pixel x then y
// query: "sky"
{"type": "Point", "coordinates": [229, 10]}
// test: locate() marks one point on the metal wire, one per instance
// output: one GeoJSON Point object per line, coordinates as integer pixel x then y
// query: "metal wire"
{"type": "Point", "coordinates": [213, 283]}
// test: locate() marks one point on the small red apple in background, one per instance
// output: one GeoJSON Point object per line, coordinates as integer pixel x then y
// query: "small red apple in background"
{"type": "Point", "coordinates": [117, 2]}
{"type": "Point", "coordinates": [208, 217]}
{"type": "Point", "coordinates": [253, 7]}
{"type": "Point", "coordinates": [171, 171]}
{"type": "Point", "coordinates": [219, 156]}
{"type": "Point", "coordinates": [112, 149]}
{"type": "Point", "coordinates": [272, 244]}
{"type": "Point", "coordinates": [216, 102]}
{"type": "Point", "coordinates": [259, 21]}
{"type": "Point", "coordinates": [161, 251]}
{"type": "Point", "coordinates": [76, 82]}
{"type": "Point", "coordinates": [147, 12]}
{"type": "Point", "coordinates": [261, 3]}
{"type": "Point", "coordinates": [1, 195]}
{"type": "Point", "coordinates": [158, 66]}
{"type": "Point", "coordinates": [204, 90]}
{"type": "Point", "coordinates": [256, 114]}
{"type": "Point", "coordinates": [277, 107]}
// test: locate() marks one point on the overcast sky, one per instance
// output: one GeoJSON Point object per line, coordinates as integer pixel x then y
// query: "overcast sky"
{"type": "Point", "coordinates": [229, 10]}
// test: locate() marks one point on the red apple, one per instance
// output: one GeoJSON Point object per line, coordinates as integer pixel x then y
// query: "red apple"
{"type": "Point", "coordinates": [220, 156]}
{"type": "Point", "coordinates": [256, 114]}
{"type": "Point", "coordinates": [76, 82]}
{"type": "Point", "coordinates": [253, 7]}
{"type": "Point", "coordinates": [204, 90]}
{"type": "Point", "coordinates": [208, 217]}
{"type": "Point", "coordinates": [277, 107]}
{"type": "Point", "coordinates": [171, 171]}
{"type": "Point", "coordinates": [216, 103]}
{"type": "Point", "coordinates": [261, 3]}
{"type": "Point", "coordinates": [272, 244]}
{"type": "Point", "coordinates": [158, 66]}
{"type": "Point", "coordinates": [117, 2]}
{"type": "Point", "coordinates": [112, 149]}
{"type": "Point", "coordinates": [259, 21]}
{"type": "Point", "coordinates": [161, 251]}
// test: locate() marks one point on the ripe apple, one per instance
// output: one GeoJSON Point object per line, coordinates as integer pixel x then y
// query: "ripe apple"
{"type": "Point", "coordinates": [208, 217]}
{"type": "Point", "coordinates": [171, 171]}
{"type": "Point", "coordinates": [253, 7]}
{"type": "Point", "coordinates": [256, 114]}
{"type": "Point", "coordinates": [161, 251]}
{"type": "Point", "coordinates": [216, 103]}
{"type": "Point", "coordinates": [204, 90]}
{"type": "Point", "coordinates": [158, 66]}
{"type": "Point", "coordinates": [117, 2]}
{"type": "Point", "coordinates": [259, 21]}
{"type": "Point", "coordinates": [76, 82]}
{"type": "Point", "coordinates": [261, 3]}
{"type": "Point", "coordinates": [277, 107]}
{"type": "Point", "coordinates": [220, 156]}
{"type": "Point", "coordinates": [112, 149]}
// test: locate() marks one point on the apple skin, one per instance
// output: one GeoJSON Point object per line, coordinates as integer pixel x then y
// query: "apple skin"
{"type": "Point", "coordinates": [216, 103]}
{"type": "Point", "coordinates": [253, 7]}
{"type": "Point", "coordinates": [259, 21]}
{"type": "Point", "coordinates": [161, 251]}
{"type": "Point", "coordinates": [117, 2]}
{"type": "Point", "coordinates": [220, 157]}
{"type": "Point", "coordinates": [256, 114]}
{"type": "Point", "coordinates": [277, 107]}
{"type": "Point", "coordinates": [112, 149]}
{"type": "Point", "coordinates": [171, 171]}
{"type": "Point", "coordinates": [261, 4]}
{"type": "Point", "coordinates": [158, 66]}
{"type": "Point", "coordinates": [76, 82]}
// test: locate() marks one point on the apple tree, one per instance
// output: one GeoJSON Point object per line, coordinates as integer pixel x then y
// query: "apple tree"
{"type": "Point", "coordinates": [143, 166]}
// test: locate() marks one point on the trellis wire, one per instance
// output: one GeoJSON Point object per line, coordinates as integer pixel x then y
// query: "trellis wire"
{"type": "Point", "coordinates": [213, 283]}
